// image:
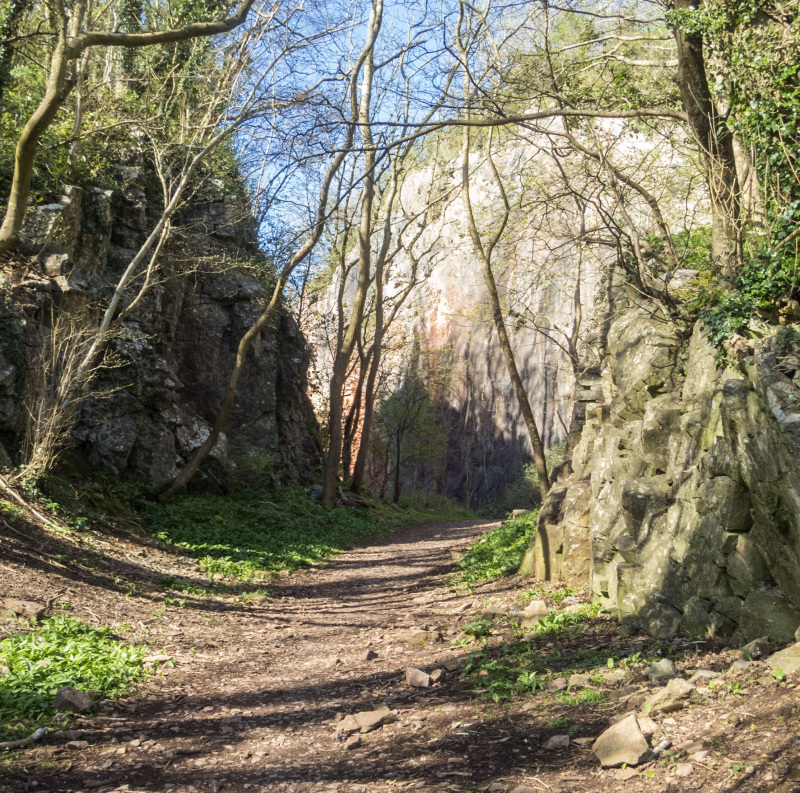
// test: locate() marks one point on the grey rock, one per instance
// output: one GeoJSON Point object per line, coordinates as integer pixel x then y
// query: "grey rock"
{"type": "Point", "coordinates": [353, 742]}
{"type": "Point", "coordinates": [77, 745]}
{"type": "Point", "coordinates": [417, 678]}
{"type": "Point", "coordinates": [621, 744]}
{"type": "Point", "coordinates": [558, 684]}
{"type": "Point", "coordinates": [661, 671]}
{"type": "Point", "coordinates": [556, 742]}
{"type": "Point", "coordinates": [770, 616]}
{"type": "Point", "coordinates": [579, 681]}
{"type": "Point", "coordinates": [754, 650]}
{"type": "Point", "coordinates": [788, 660]}
{"type": "Point", "coordinates": [70, 699]}
{"type": "Point", "coordinates": [670, 698]}
{"type": "Point", "coordinates": [519, 513]}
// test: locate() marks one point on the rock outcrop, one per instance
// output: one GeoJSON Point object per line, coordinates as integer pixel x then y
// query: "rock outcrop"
{"type": "Point", "coordinates": [681, 504]}
{"type": "Point", "coordinates": [173, 355]}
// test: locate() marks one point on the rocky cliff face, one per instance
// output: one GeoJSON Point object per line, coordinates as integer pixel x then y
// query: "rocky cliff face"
{"type": "Point", "coordinates": [680, 506]}
{"type": "Point", "coordinates": [174, 354]}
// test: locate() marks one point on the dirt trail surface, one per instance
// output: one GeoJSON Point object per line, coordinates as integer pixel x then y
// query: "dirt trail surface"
{"type": "Point", "coordinates": [260, 695]}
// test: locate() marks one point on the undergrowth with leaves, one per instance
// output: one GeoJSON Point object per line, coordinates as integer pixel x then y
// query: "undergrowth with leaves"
{"type": "Point", "coordinates": [60, 652]}
{"type": "Point", "coordinates": [525, 668]}
{"type": "Point", "coordinates": [499, 552]}
{"type": "Point", "coordinates": [251, 535]}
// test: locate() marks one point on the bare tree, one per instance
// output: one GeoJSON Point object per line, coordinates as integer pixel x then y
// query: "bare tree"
{"type": "Point", "coordinates": [484, 251]}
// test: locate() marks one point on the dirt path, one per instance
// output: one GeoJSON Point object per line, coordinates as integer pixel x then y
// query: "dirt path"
{"type": "Point", "coordinates": [258, 691]}
{"type": "Point", "coordinates": [255, 707]}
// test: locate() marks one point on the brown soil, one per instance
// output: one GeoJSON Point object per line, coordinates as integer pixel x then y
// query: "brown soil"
{"type": "Point", "coordinates": [256, 693]}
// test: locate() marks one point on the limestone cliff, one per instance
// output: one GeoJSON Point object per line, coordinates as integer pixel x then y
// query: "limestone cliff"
{"type": "Point", "coordinates": [680, 505]}
{"type": "Point", "coordinates": [174, 354]}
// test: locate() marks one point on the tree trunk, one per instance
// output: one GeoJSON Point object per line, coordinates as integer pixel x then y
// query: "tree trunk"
{"type": "Point", "coordinates": [59, 84]}
{"type": "Point", "coordinates": [398, 457]}
{"type": "Point", "coordinates": [716, 143]}
{"type": "Point", "coordinates": [330, 473]}
{"type": "Point", "coordinates": [521, 395]}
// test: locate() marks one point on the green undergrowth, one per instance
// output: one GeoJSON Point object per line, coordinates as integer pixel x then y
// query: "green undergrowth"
{"type": "Point", "coordinates": [497, 553]}
{"type": "Point", "coordinates": [59, 652]}
{"type": "Point", "coordinates": [525, 667]}
{"type": "Point", "coordinates": [248, 536]}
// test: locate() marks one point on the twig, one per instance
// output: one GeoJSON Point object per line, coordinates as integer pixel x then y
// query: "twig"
{"type": "Point", "coordinates": [18, 744]}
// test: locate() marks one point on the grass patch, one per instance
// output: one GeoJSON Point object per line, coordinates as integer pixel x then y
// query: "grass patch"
{"type": "Point", "coordinates": [586, 697]}
{"type": "Point", "coordinates": [60, 652]}
{"type": "Point", "coordinates": [252, 535]}
{"type": "Point", "coordinates": [497, 553]}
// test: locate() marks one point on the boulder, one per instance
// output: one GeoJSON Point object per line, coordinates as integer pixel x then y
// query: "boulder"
{"type": "Point", "coordinates": [670, 698]}
{"type": "Point", "coordinates": [621, 744]}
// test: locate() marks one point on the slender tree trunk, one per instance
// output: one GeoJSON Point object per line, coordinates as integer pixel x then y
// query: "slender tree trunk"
{"type": "Point", "coordinates": [397, 459]}
{"type": "Point", "coordinates": [354, 414]}
{"type": "Point", "coordinates": [716, 143]}
{"type": "Point", "coordinates": [335, 408]}
{"type": "Point", "coordinates": [484, 254]}
{"type": "Point", "coordinates": [377, 345]}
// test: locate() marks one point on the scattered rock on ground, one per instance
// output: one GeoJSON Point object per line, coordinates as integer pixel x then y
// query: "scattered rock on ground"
{"type": "Point", "coordinates": [25, 608]}
{"type": "Point", "coordinates": [622, 743]}
{"type": "Point", "coordinates": [456, 664]}
{"type": "Point", "coordinates": [557, 742]}
{"type": "Point", "coordinates": [417, 678]}
{"type": "Point", "coordinates": [365, 721]}
{"type": "Point", "coordinates": [661, 671]}
{"type": "Point", "coordinates": [646, 724]}
{"type": "Point", "coordinates": [703, 676]}
{"type": "Point", "coordinates": [78, 745]}
{"type": "Point", "coordinates": [354, 742]}
{"type": "Point", "coordinates": [755, 649]}
{"type": "Point", "coordinates": [68, 698]}
{"type": "Point", "coordinates": [670, 698]}
{"type": "Point", "coordinates": [579, 681]}
{"type": "Point", "coordinates": [436, 676]}
{"type": "Point", "coordinates": [532, 613]}
{"type": "Point", "coordinates": [419, 636]}
{"type": "Point", "coordinates": [559, 684]}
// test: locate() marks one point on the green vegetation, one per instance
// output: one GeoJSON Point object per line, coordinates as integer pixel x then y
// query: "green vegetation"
{"type": "Point", "coordinates": [561, 622]}
{"type": "Point", "coordinates": [252, 535]}
{"type": "Point", "coordinates": [586, 697]}
{"type": "Point", "coordinates": [523, 492]}
{"type": "Point", "coordinates": [497, 553]}
{"type": "Point", "coordinates": [60, 652]}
